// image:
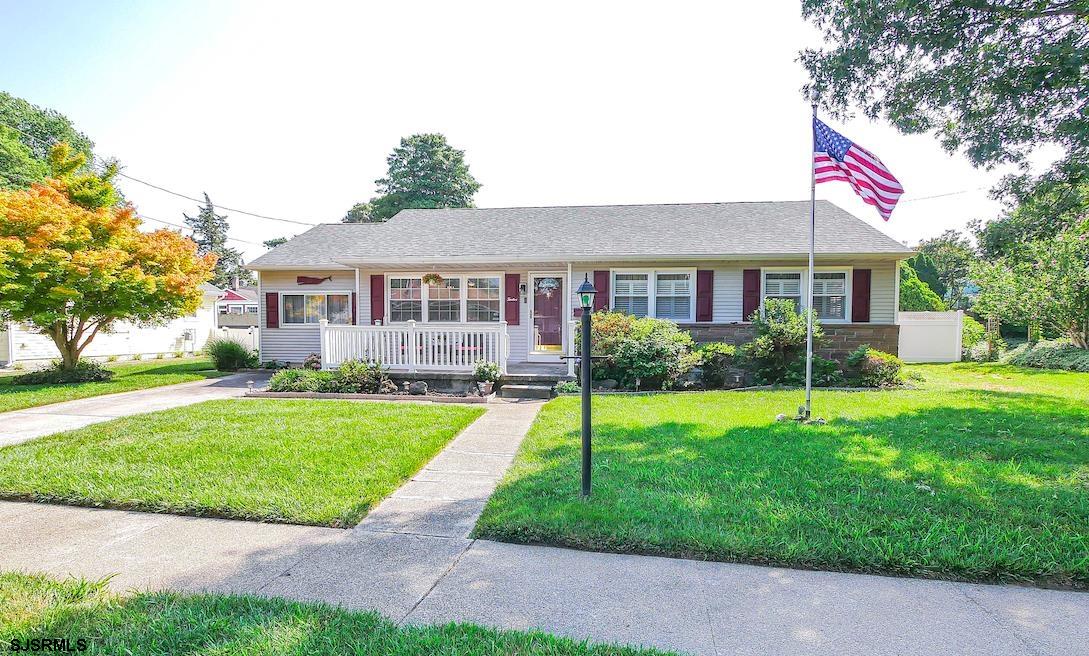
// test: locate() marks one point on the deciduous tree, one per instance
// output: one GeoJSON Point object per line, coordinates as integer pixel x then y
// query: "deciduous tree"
{"type": "Point", "coordinates": [424, 172]}
{"type": "Point", "coordinates": [73, 271]}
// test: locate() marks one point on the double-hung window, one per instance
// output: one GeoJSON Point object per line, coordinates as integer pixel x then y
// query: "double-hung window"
{"type": "Point", "coordinates": [666, 294]}
{"type": "Point", "coordinates": [483, 298]}
{"type": "Point", "coordinates": [830, 295]}
{"type": "Point", "coordinates": [673, 296]}
{"type": "Point", "coordinates": [405, 299]}
{"type": "Point", "coordinates": [312, 308]}
{"type": "Point", "coordinates": [631, 293]}
{"type": "Point", "coordinates": [787, 285]}
{"type": "Point", "coordinates": [444, 300]}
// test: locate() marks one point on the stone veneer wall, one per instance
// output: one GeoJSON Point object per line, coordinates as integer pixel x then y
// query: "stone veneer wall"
{"type": "Point", "coordinates": [839, 339]}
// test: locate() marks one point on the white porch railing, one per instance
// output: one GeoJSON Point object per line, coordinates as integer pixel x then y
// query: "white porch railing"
{"type": "Point", "coordinates": [413, 347]}
{"type": "Point", "coordinates": [572, 347]}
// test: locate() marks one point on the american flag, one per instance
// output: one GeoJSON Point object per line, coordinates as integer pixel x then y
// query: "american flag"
{"type": "Point", "coordinates": [835, 157]}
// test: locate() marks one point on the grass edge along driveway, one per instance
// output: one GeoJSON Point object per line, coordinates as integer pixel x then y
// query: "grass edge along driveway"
{"type": "Point", "coordinates": [317, 462]}
{"type": "Point", "coordinates": [980, 474]}
{"type": "Point", "coordinates": [129, 377]}
{"type": "Point", "coordinates": [170, 623]}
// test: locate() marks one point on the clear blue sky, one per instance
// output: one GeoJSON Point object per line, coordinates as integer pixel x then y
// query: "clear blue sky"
{"type": "Point", "coordinates": [289, 109]}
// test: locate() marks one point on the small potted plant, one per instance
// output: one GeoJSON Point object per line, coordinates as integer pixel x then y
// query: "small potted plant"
{"type": "Point", "coordinates": [486, 375]}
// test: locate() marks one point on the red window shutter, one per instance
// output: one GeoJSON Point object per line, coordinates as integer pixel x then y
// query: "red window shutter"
{"type": "Point", "coordinates": [750, 293]}
{"type": "Point", "coordinates": [378, 298]}
{"type": "Point", "coordinates": [705, 295]}
{"type": "Point", "coordinates": [513, 298]}
{"type": "Point", "coordinates": [601, 284]}
{"type": "Point", "coordinates": [860, 296]}
{"type": "Point", "coordinates": [272, 310]}
{"type": "Point", "coordinates": [355, 310]}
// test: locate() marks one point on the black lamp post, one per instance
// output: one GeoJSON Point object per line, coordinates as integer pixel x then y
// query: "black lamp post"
{"type": "Point", "coordinates": [586, 294]}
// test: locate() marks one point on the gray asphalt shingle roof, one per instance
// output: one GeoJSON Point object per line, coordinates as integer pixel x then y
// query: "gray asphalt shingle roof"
{"type": "Point", "coordinates": [559, 233]}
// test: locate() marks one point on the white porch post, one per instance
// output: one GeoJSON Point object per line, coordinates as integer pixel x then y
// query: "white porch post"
{"type": "Point", "coordinates": [571, 338]}
{"type": "Point", "coordinates": [568, 313]}
{"type": "Point", "coordinates": [504, 347]}
{"type": "Point", "coordinates": [410, 344]}
{"type": "Point", "coordinates": [323, 325]}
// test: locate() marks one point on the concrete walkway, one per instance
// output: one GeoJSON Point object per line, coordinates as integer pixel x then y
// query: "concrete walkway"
{"type": "Point", "coordinates": [411, 559]}
{"type": "Point", "coordinates": [26, 424]}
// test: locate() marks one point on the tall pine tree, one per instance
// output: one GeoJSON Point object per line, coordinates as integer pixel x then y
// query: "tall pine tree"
{"type": "Point", "coordinates": [210, 233]}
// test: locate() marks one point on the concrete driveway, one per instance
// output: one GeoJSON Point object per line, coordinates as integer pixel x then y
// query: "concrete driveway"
{"type": "Point", "coordinates": [22, 425]}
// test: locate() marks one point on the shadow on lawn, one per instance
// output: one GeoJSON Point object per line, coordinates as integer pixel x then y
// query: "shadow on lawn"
{"type": "Point", "coordinates": [991, 490]}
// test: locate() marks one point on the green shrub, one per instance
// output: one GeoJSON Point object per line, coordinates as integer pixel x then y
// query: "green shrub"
{"type": "Point", "coordinates": [137, 356]}
{"type": "Point", "coordinates": [715, 360]}
{"type": "Point", "coordinates": [872, 368]}
{"type": "Point", "coordinates": [229, 354]}
{"type": "Point", "coordinates": [85, 371]}
{"type": "Point", "coordinates": [1055, 354]}
{"type": "Point", "coordinates": [568, 387]}
{"type": "Point", "coordinates": [989, 349]}
{"type": "Point", "coordinates": [179, 354]}
{"type": "Point", "coordinates": [352, 377]}
{"type": "Point", "coordinates": [779, 342]}
{"type": "Point", "coordinates": [972, 332]}
{"type": "Point", "coordinates": [826, 373]}
{"type": "Point", "coordinates": [644, 353]}
{"type": "Point", "coordinates": [916, 295]}
{"type": "Point", "coordinates": [302, 380]}
{"type": "Point", "coordinates": [112, 358]}
{"type": "Point", "coordinates": [486, 372]}
{"type": "Point", "coordinates": [274, 365]}
{"type": "Point", "coordinates": [358, 377]}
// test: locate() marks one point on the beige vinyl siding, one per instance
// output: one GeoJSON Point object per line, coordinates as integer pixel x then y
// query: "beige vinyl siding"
{"type": "Point", "coordinates": [883, 299]}
{"type": "Point", "coordinates": [293, 343]}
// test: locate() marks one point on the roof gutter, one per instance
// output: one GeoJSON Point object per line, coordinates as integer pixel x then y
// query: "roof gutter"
{"type": "Point", "coordinates": [507, 259]}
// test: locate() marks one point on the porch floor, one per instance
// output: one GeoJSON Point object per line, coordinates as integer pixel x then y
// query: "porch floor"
{"type": "Point", "coordinates": [537, 369]}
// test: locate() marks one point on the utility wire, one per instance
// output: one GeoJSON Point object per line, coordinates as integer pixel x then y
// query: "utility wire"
{"type": "Point", "coordinates": [95, 160]}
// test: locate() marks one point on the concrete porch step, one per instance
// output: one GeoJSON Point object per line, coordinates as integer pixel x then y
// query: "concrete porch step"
{"type": "Point", "coordinates": [526, 391]}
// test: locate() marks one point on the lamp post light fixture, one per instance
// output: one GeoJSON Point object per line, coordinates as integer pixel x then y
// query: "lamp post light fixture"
{"type": "Point", "coordinates": [586, 293]}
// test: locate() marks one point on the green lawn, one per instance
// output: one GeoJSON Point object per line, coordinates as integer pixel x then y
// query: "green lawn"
{"type": "Point", "coordinates": [35, 607]}
{"type": "Point", "coordinates": [299, 461]}
{"type": "Point", "coordinates": [134, 376]}
{"type": "Point", "coordinates": [981, 473]}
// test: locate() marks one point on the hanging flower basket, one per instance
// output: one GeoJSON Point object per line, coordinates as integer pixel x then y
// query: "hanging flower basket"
{"type": "Point", "coordinates": [432, 279]}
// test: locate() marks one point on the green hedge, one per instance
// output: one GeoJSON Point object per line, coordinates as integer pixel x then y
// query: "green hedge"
{"type": "Point", "coordinates": [1056, 354]}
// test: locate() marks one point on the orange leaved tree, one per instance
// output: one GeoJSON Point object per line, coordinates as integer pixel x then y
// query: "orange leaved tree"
{"type": "Point", "coordinates": [72, 269]}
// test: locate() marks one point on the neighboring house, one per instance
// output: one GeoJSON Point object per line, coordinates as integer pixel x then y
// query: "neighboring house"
{"type": "Point", "coordinates": [237, 308]}
{"type": "Point", "coordinates": [507, 276]}
{"type": "Point", "coordinates": [185, 334]}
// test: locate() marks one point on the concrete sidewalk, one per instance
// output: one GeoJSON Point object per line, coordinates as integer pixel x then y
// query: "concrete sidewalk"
{"type": "Point", "coordinates": [411, 559]}
{"type": "Point", "coordinates": [26, 424]}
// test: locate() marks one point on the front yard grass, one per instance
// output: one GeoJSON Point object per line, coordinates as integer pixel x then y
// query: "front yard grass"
{"type": "Point", "coordinates": [307, 462]}
{"type": "Point", "coordinates": [36, 607]}
{"type": "Point", "coordinates": [129, 377]}
{"type": "Point", "coordinates": [981, 473]}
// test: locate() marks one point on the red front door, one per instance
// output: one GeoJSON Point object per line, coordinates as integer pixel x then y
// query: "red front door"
{"type": "Point", "coordinates": [547, 314]}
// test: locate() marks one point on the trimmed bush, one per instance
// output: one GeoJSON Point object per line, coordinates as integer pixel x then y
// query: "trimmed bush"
{"type": "Point", "coordinates": [872, 368]}
{"type": "Point", "coordinates": [826, 373]}
{"type": "Point", "coordinates": [715, 360]}
{"type": "Point", "coordinates": [972, 332]}
{"type": "Point", "coordinates": [644, 353]}
{"type": "Point", "coordinates": [358, 377]}
{"type": "Point", "coordinates": [229, 354]}
{"type": "Point", "coordinates": [779, 343]}
{"type": "Point", "coordinates": [85, 371]}
{"type": "Point", "coordinates": [352, 377]}
{"type": "Point", "coordinates": [312, 362]}
{"type": "Point", "coordinates": [1055, 354]}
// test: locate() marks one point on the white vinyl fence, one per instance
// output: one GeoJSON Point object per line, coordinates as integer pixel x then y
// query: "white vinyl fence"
{"type": "Point", "coordinates": [249, 336]}
{"type": "Point", "coordinates": [931, 336]}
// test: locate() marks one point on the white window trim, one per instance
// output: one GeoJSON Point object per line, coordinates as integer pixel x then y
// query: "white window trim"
{"type": "Point", "coordinates": [464, 311]}
{"type": "Point", "coordinates": [316, 292]}
{"type": "Point", "coordinates": [848, 292]}
{"type": "Point", "coordinates": [652, 288]}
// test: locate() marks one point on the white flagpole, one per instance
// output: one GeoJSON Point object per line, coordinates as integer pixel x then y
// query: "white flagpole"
{"type": "Point", "coordinates": [809, 286]}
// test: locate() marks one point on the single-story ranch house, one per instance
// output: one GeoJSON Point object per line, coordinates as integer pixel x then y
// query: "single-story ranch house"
{"type": "Point", "coordinates": [439, 289]}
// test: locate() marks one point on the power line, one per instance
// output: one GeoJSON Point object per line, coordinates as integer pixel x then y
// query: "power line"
{"type": "Point", "coordinates": [181, 227]}
{"type": "Point", "coordinates": [101, 163]}
{"type": "Point", "coordinates": [951, 193]}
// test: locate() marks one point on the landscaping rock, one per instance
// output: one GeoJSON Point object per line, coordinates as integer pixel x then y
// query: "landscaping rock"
{"type": "Point", "coordinates": [608, 384]}
{"type": "Point", "coordinates": [418, 388]}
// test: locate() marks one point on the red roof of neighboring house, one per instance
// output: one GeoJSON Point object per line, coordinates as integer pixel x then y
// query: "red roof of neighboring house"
{"type": "Point", "coordinates": [231, 295]}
